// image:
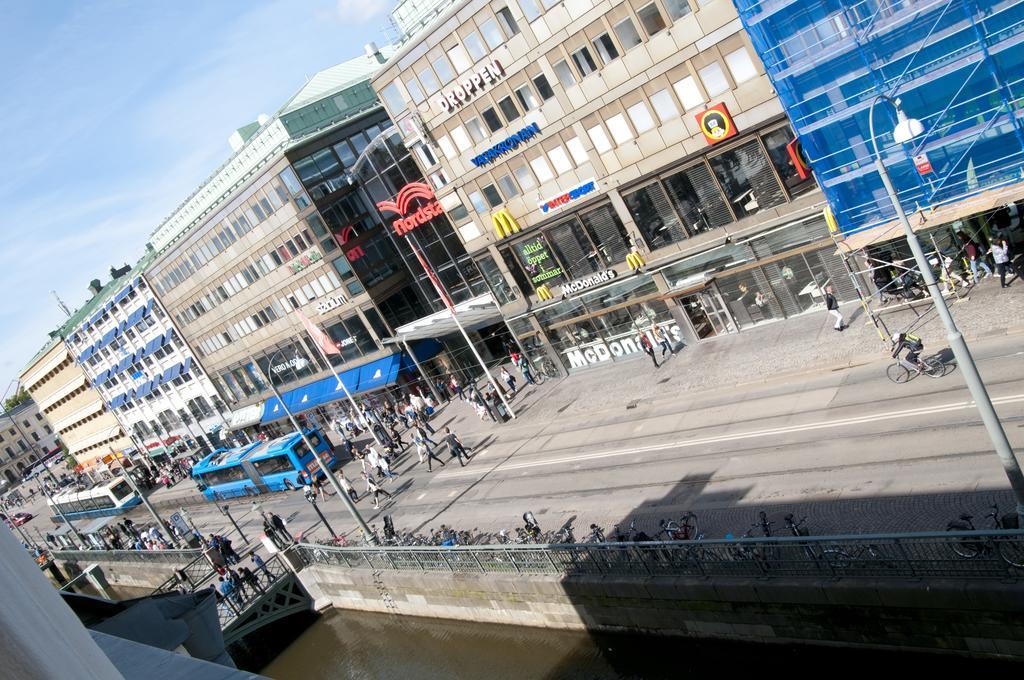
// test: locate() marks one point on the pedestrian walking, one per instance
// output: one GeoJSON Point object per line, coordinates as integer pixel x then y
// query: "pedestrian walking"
{"type": "Point", "coordinates": [346, 486]}
{"type": "Point", "coordinates": [422, 429]}
{"type": "Point", "coordinates": [262, 566]}
{"type": "Point", "coordinates": [280, 528]}
{"type": "Point", "coordinates": [270, 532]}
{"type": "Point", "coordinates": [975, 256]}
{"type": "Point", "coordinates": [1004, 262]}
{"type": "Point", "coordinates": [250, 579]}
{"type": "Point", "coordinates": [647, 347]}
{"type": "Point", "coordinates": [373, 488]}
{"type": "Point", "coordinates": [509, 380]}
{"type": "Point", "coordinates": [455, 447]}
{"type": "Point", "coordinates": [832, 305]}
{"type": "Point", "coordinates": [456, 387]}
{"type": "Point", "coordinates": [423, 450]}
{"type": "Point", "coordinates": [662, 340]}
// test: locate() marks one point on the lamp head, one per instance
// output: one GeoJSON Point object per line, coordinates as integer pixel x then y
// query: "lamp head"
{"type": "Point", "coordinates": [906, 128]}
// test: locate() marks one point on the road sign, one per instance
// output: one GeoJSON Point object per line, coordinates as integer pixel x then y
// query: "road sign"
{"type": "Point", "coordinates": [923, 165]}
{"type": "Point", "coordinates": [179, 523]}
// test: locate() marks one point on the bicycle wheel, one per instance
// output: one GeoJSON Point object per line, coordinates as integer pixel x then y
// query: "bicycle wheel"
{"type": "Point", "coordinates": [934, 367]}
{"type": "Point", "coordinates": [837, 558]}
{"type": "Point", "coordinates": [689, 520]}
{"type": "Point", "coordinates": [898, 373]}
{"type": "Point", "coordinates": [1012, 552]}
{"type": "Point", "coordinates": [963, 547]}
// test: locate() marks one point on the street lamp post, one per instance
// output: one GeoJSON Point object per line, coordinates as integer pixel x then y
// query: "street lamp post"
{"type": "Point", "coordinates": [907, 129]}
{"type": "Point", "coordinates": [367, 534]}
{"type": "Point", "coordinates": [316, 508]}
{"type": "Point", "coordinates": [226, 511]}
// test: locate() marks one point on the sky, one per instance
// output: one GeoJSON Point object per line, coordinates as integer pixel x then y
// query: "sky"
{"type": "Point", "coordinates": [113, 111]}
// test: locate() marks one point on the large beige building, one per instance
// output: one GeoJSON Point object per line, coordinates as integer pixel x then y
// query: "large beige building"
{"type": "Point", "coordinates": [71, 406]}
{"type": "Point", "coordinates": [26, 438]}
{"type": "Point", "coordinates": [613, 165]}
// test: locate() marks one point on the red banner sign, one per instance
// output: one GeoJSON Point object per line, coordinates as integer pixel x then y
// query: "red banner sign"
{"type": "Point", "coordinates": [410, 218]}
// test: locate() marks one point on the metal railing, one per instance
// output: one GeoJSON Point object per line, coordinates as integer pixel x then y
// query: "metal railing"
{"type": "Point", "coordinates": [139, 556]}
{"type": "Point", "coordinates": [974, 555]}
{"type": "Point", "coordinates": [199, 570]}
{"type": "Point", "coordinates": [231, 607]}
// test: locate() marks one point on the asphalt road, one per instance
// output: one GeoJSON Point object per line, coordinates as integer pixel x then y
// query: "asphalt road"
{"type": "Point", "coordinates": [847, 448]}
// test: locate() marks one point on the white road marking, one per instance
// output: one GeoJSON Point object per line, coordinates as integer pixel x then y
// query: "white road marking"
{"type": "Point", "coordinates": [420, 497]}
{"type": "Point", "coordinates": [789, 429]}
{"type": "Point", "coordinates": [450, 494]}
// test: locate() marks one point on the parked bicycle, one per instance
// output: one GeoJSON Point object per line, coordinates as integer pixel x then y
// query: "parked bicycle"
{"type": "Point", "coordinates": [545, 368]}
{"type": "Point", "coordinates": [1010, 551]}
{"type": "Point", "coordinates": [683, 530]}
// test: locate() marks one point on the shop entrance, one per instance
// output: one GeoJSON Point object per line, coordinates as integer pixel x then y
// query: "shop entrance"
{"type": "Point", "coordinates": [707, 313]}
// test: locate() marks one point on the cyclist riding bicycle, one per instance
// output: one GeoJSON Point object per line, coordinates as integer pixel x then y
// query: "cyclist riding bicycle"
{"type": "Point", "coordinates": [914, 347]}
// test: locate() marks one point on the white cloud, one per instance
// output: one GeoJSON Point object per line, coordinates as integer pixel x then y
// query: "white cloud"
{"type": "Point", "coordinates": [361, 10]}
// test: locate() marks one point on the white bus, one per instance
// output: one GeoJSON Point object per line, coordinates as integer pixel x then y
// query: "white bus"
{"type": "Point", "coordinates": [104, 500]}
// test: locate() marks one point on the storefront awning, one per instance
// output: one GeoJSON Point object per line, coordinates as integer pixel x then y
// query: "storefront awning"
{"type": "Point", "coordinates": [374, 375]}
{"type": "Point", "coordinates": [479, 311]}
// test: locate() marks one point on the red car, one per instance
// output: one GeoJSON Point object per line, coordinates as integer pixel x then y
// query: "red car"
{"type": "Point", "coordinates": [20, 518]}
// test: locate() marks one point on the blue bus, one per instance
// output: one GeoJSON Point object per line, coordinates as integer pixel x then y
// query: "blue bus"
{"type": "Point", "coordinates": [103, 500]}
{"type": "Point", "coordinates": [252, 469]}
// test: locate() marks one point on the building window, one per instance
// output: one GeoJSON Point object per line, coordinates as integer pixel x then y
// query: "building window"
{"type": "Point", "coordinates": [446, 148]}
{"type": "Point", "coordinates": [599, 139]}
{"type": "Point", "coordinates": [530, 9]}
{"type": "Point", "coordinates": [477, 200]}
{"type": "Point", "coordinates": [543, 88]}
{"type": "Point", "coordinates": [524, 177]}
{"type": "Point", "coordinates": [474, 46]}
{"type": "Point", "coordinates": [508, 109]}
{"type": "Point", "coordinates": [576, 150]}
{"type": "Point", "coordinates": [461, 139]}
{"type": "Point", "coordinates": [460, 60]}
{"type": "Point", "coordinates": [560, 160]}
{"type": "Point", "coordinates": [443, 69]}
{"type": "Point", "coordinates": [507, 22]}
{"type": "Point", "coordinates": [584, 62]}
{"type": "Point", "coordinates": [677, 9]}
{"type": "Point", "coordinates": [492, 196]}
{"type": "Point", "coordinates": [491, 118]}
{"type": "Point", "coordinates": [714, 79]}
{"type": "Point", "coordinates": [664, 106]}
{"type": "Point", "coordinates": [747, 179]}
{"type": "Point", "coordinates": [508, 186]}
{"type": "Point", "coordinates": [492, 34]}
{"type": "Point", "coordinates": [654, 216]}
{"type": "Point", "coordinates": [414, 90]}
{"type": "Point", "coordinates": [688, 93]}
{"type": "Point", "coordinates": [605, 48]}
{"type": "Point", "coordinates": [697, 199]}
{"type": "Point", "coordinates": [500, 289]}
{"type": "Point", "coordinates": [526, 98]}
{"type": "Point", "coordinates": [627, 34]}
{"type": "Point", "coordinates": [619, 129]}
{"type": "Point", "coordinates": [476, 130]}
{"type": "Point", "coordinates": [428, 80]}
{"type": "Point", "coordinates": [641, 117]}
{"type": "Point", "coordinates": [651, 19]}
{"type": "Point", "coordinates": [564, 73]}
{"type": "Point", "coordinates": [740, 65]}
{"type": "Point", "coordinates": [542, 169]}
{"type": "Point", "coordinates": [393, 99]}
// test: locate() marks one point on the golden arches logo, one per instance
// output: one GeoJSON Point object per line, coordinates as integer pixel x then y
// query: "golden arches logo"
{"type": "Point", "coordinates": [635, 260]}
{"type": "Point", "coordinates": [504, 224]}
{"type": "Point", "coordinates": [543, 292]}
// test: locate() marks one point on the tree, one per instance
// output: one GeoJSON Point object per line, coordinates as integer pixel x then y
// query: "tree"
{"type": "Point", "coordinates": [18, 397]}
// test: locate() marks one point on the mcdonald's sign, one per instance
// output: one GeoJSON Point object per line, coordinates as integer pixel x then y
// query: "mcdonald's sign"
{"type": "Point", "coordinates": [635, 261]}
{"type": "Point", "coordinates": [796, 155]}
{"type": "Point", "coordinates": [504, 224]}
{"type": "Point", "coordinates": [543, 292]}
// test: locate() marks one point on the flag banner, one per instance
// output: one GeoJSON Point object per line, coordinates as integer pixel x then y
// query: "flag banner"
{"type": "Point", "coordinates": [322, 340]}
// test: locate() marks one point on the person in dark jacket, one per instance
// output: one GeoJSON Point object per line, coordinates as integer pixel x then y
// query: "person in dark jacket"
{"type": "Point", "coordinates": [832, 305]}
{"type": "Point", "coordinates": [647, 347]}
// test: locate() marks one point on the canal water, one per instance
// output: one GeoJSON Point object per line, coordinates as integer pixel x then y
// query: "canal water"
{"type": "Point", "coordinates": [368, 646]}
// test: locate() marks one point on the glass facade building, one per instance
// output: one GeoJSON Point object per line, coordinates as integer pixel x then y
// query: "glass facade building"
{"type": "Point", "coordinates": [957, 66]}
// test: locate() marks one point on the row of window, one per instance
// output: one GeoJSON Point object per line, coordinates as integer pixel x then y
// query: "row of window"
{"type": "Point", "coordinates": [113, 351]}
{"type": "Point", "coordinates": [323, 172]}
{"type": "Point", "coordinates": [295, 245]}
{"type": "Point", "coordinates": [536, 167]}
{"type": "Point", "coordinates": [158, 392]}
{"type": "Point", "coordinates": [145, 362]}
{"type": "Point", "coordinates": [306, 291]}
{"type": "Point", "coordinates": [81, 338]}
{"type": "Point", "coordinates": [479, 35]}
{"type": "Point", "coordinates": [267, 199]}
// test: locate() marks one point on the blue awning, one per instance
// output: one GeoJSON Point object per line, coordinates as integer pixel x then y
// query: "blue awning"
{"type": "Point", "coordinates": [380, 373]}
{"type": "Point", "coordinates": [171, 373]}
{"type": "Point", "coordinates": [371, 376]}
{"type": "Point", "coordinates": [423, 349]}
{"type": "Point", "coordinates": [123, 293]}
{"type": "Point", "coordinates": [144, 389]}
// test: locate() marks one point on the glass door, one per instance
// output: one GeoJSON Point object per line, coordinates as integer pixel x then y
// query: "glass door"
{"type": "Point", "coordinates": [707, 313]}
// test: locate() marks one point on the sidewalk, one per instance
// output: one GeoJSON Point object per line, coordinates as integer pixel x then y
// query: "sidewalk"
{"type": "Point", "coordinates": [802, 344]}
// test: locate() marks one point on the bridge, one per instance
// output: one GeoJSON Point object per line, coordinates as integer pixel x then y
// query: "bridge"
{"type": "Point", "coordinates": [277, 594]}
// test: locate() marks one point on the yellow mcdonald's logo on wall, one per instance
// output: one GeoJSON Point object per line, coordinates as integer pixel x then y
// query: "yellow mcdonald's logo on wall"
{"type": "Point", "coordinates": [504, 224]}
{"type": "Point", "coordinates": [635, 260]}
{"type": "Point", "coordinates": [830, 220]}
{"type": "Point", "coordinates": [543, 292]}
